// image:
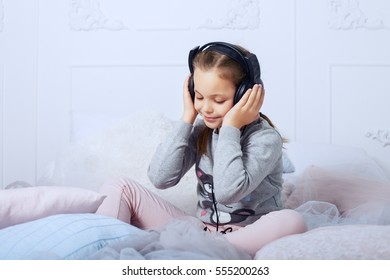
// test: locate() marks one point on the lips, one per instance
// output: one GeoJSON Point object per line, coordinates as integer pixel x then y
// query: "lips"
{"type": "Point", "coordinates": [210, 119]}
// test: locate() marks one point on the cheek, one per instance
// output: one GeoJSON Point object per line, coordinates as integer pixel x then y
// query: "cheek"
{"type": "Point", "coordinates": [197, 105]}
{"type": "Point", "coordinates": [226, 108]}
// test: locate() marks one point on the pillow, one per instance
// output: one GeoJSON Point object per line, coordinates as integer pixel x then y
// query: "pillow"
{"type": "Point", "coordinates": [369, 242]}
{"type": "Point", "coordinates": [27, 204]}
{"type": "Point", "coordinates": [350, 160]}
{"type": "Point", "coordinates": [62, 236]}
{"type": "Point", "coordinates": [346, 192]}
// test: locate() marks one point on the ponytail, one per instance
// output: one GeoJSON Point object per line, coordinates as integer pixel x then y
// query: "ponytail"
{"type": "Point", "coordinates": [267, 119]}
{"type": "Point", "coordinates": [285, 140]}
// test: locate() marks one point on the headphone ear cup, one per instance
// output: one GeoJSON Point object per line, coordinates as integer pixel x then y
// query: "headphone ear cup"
{"type": "Point", "coordinates": [191, 87]}
{"type": "Point", "coordinates": [242, 88]}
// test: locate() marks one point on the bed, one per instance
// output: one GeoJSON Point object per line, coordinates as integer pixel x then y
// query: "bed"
{"type": "Point", "coordinates": [343, 193]}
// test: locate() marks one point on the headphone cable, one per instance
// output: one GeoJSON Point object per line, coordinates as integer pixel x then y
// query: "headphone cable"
{"type": "Point", "coordinates": [215, 206]}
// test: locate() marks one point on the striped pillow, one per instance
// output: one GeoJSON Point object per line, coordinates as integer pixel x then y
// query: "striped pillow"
{"type": "Point", "coordinates": [62, 236]}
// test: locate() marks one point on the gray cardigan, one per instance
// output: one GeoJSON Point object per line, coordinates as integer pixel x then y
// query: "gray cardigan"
{"type": "Point", "coordinates": [238, 181]}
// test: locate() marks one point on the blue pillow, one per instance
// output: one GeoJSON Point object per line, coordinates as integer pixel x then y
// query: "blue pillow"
{"type": "Point", "coordinates": [63, 236]}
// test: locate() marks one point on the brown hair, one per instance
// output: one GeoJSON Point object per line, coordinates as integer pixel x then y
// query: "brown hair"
{"type": "Point", "coordinates": [228, 69]}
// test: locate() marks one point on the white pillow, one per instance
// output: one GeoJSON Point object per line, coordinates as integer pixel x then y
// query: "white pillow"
{"type": "Point", "coordinates": [333, 157]}
{"type": "Point", "coordinates": [348, 242]}
{"type": "Point", "coordinates": [63, 236]}
{"type": "Point", "coordinates": [27, 204]}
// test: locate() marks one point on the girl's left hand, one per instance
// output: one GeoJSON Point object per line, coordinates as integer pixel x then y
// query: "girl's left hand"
{"type": "Point", "coordinates": [247, 109]}
{"type": "Point", "coordinates": [189, 112]}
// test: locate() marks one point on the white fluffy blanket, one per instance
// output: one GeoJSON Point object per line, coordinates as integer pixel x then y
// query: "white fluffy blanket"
{"type": "Point", "coordinates": [124, 149]}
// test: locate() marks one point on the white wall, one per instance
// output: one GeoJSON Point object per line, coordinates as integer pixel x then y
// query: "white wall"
{"type": "Point", "coordinates": [325, 65]}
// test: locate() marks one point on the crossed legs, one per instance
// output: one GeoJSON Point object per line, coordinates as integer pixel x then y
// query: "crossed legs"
{"type": "Point", "coordinates": [128, 201]}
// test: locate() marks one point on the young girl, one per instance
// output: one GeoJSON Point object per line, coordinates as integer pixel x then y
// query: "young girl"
{"type": "Point", "coordinates": [236, 151]}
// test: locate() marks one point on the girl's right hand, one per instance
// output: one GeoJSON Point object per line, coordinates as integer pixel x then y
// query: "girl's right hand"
{"type": "Point", "coordinates": [189, 112]}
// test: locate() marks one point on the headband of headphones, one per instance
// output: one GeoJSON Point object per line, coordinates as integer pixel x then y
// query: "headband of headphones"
{"type": "Point", "coordinates": [249, 63]}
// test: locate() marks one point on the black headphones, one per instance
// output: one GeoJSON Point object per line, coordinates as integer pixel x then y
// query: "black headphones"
{"type": "Point", "coordinates": [249, 63]}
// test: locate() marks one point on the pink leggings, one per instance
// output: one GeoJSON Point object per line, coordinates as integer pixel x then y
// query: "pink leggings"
{"type": "Point", "coordinates": [130, 202]}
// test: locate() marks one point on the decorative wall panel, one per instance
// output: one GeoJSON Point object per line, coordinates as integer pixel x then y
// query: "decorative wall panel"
{"type": "Point", "coordinates": [237, 15]}
{"type": "Point", "coordinates": [354, 14]}
{"type": "Point", "coordinates": [359, 105]}
{"type": "Point", "coordinates": [110, 93]}
{"type": "Point", "coordinates": [88, 15]}
{"type": "Point", "coordinates": [380, 135]}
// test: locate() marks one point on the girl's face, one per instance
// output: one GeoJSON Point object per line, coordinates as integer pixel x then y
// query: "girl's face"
{"type": "Point", "coordinates": [213, 96]}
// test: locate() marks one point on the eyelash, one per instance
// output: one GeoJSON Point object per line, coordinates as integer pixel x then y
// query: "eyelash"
{"type": "Point", "coordinates": [218, 102]}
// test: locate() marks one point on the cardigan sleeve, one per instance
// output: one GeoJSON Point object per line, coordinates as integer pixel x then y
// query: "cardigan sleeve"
{"type": "Point", "coordinates": [174, 157]}
{"type": "Point", "coordinates": [242, 162]}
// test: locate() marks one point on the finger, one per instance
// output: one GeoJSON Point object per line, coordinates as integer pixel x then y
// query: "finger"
{"type": "Point", "coordinates": [253, 97]}
{"type": "Point", "coordinates": [259, 97]}
{"type": "Point", "coordinates": [186, 83]}
{"type": "Point", "coordinates": [244, 99]}
{"type": "Point", "coordinates": [262, 94]}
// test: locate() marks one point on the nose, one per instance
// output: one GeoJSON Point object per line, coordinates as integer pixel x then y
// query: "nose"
{"type": "Point", "coordinates": [207, 107]}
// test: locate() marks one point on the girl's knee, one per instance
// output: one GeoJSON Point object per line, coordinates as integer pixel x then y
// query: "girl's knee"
{"type": "Point", "coordinates": [294, 221]}
{"type": "Point", "coordinates": [287, 220]}
{"type": "Point", "coordinates": [119, 185]}
{"type": "Point", "coordinates": [121, 194]}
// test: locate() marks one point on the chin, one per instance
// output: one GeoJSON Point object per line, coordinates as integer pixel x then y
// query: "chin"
{"type": "Point", "coordinates": [213, 125]}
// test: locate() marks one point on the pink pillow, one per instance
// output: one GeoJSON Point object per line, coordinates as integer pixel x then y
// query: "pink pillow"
{"type": "Point", "coordinates": [31, 203]}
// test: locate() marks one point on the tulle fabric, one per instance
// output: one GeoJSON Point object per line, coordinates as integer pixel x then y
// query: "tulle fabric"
{"type": "Point", "coordinates": [319, 214]}
{"type": "Point", "coordinates": [327, 198]}
{"type": "Point", "coordinates": [180, 239]}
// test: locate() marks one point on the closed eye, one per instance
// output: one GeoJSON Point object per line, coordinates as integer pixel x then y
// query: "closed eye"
{"type": "Point", "coordinates": [198, 95]}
